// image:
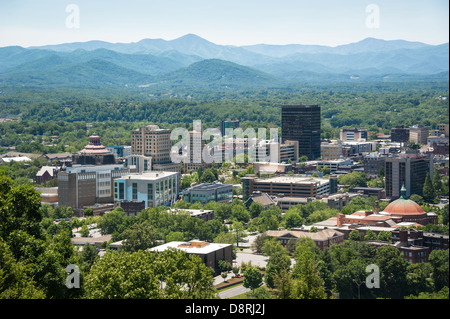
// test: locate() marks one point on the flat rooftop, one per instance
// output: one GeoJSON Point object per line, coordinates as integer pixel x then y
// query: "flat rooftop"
{"type": "Point", "coordinates": [191, 247]}
{"type": "Point", "coordinates": [293, 180]}
{"type": "Point", "coordinates": [209, 186]}
{"type": "Point", "coordinates": [149, 175]}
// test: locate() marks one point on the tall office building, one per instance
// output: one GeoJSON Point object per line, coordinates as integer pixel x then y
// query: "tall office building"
{"type": "Point", "coordinates": [301, 123]}
{"type": "Point", "coordinates": [152, 141]}
{"type": "Point", "coordinates": [228, 124]}
{"type": "Point", "coordinates": [409, 170]}
{"type": "Point", "coordinates": [353, 134]}
{"type": "Point", "coordinates": [419, 134]}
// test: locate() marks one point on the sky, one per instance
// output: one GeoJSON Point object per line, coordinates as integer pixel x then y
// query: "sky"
{"type": "Point", "coordinates": [228, 22]}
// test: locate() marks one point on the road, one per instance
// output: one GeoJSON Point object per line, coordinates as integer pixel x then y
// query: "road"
{"type": "Point", "coordinates": [233, 292]}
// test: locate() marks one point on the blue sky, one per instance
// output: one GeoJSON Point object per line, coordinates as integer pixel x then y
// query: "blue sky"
{"type": "Point", "coordinates": [233, 22]}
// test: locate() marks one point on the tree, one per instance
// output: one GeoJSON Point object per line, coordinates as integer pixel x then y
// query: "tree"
{"type": "Point", "coordinates": [384, 236]}
{"type": "Point", "coordinates": [84, 232]}
{"type": "Point", "coordinates": [255, 209]}
{"type": "Point", "coordinates": [370, 235]}
{"type": "Point", "coordinates": [16, 280]}
{"type": "Point", "coordinates": [354, 179]}
{"type": "Point", "coordinates": [428, 190]}
{"type": "Point", "coordinates": [437, 182]}
{"type": "Point", "coordinates": [207, 176]}
{"type": "Point", "coordinates": [439, 260]}
{"type": "Point", "coordinates": [140, 236]}
{"type": "Point", "coordinates": [114, 221]}
{"type": "Point", "coordinates": [393, 270]}
{"type": "Point", "coordinates": [277, 262]}
{"type": "Point", "coordinates": [417, 198]}
{"type": "Point", "coordinates": [308, 284]}
{"type": "Point", "coordinates": [292, 218]}
{"type": "Point", "coordinates": [19, 208]}
{"type": "Point", "coordinates": [252, 278]}
{"type": "Point", "coordinates": [174, 236]}
{"type": "Point", "coordinates": [146, 275]}
{"type": "Point", "coordinates": [354, 235]}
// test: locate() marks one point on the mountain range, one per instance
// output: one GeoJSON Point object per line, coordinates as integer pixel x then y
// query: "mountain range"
{"type": "Point", "coordinates": [191, 61]}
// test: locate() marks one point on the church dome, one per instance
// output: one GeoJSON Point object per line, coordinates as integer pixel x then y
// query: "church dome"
{"type": "Point", "coordinates": [404, 206]}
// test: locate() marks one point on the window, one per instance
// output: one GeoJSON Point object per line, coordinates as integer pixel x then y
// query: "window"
{"type": "Point", "coordinates": [121, 191]}
{"type": "Point", "coordinates": [149, 192]}
{"type": "Point", "coordinates": [134, 188]}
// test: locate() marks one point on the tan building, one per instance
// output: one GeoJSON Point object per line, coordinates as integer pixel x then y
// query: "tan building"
{"type": "Point", "coordinates": [418, 134]}
{"type": "Point", "coordinates": [86, 185]}
{"type": "Point", "coordinates": [152, 141]}
{"type": "Point", "coordinates": [322, 238]}
{"type": "Point", "coordinates": [331, 151]}
{"type": "Point", "coordinates": [289, 186]}
{"type": "Point", "coordinates": [210, 253]}
{"type": "Point", "coordinates": [444, 129]}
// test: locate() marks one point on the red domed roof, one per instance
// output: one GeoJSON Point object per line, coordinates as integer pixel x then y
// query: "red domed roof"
{"type": "Point", "coordinates": [404, 206]}
{"type": "Point", "coordinates": [94, 147]}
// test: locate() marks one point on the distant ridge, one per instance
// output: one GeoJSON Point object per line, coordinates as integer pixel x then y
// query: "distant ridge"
{"type": "Point", "coordinates": [179, 62]}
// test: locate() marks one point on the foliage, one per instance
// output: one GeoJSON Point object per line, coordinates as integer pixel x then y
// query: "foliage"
{"type": "Point", "coordinates": [142, 274]}
{"type": "Point", "coordinates": [252, 278]}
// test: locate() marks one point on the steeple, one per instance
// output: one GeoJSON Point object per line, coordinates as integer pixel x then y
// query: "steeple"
{"type": "Point", "coordinates": [403, 192]}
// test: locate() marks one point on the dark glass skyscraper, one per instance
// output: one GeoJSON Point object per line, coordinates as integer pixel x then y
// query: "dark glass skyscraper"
{"type": "Point", "coordinates": [301, 123]}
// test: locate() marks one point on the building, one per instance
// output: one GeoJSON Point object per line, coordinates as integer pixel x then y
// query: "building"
{"type": "Point", "coordinates": [49, 195]}
{"type": "Point", "coordinates": [377, 192]}
{"type": "Point", "coordinates": [203, 214]}
{"type": "Point", "coordinates": [210, 253]}
{"type": "Point", "coordinates": [409, 169]}
{"type": "Point", "coordinates": [402, 211]}
{"type": "Point", "coordinates": [410, 211]}
{"type": "Point", "coordinates": [359, 147]}
{"type": "Point", "coordinates": [261, 198]}
{"type": "Point", "coordinates": [400, 134]}
{"type": "Point", "coordinates": [153, 188]}
{"type": "Point", "coordinates": [271, 168]}
{"type": "Point", "coordinates": [228, 124]}
{"type": "Point", "coordinates": [46, 173]}
{"type": "Point", "coordinates": [444, 129]}
{"type": "Point", "coordinates": [374, 163]}
{"type": "Point", "coordinates": [322, 238]}
{"type": "Point", "coordinates": [418, 134]}
{"type": "Point", "coordinates": [94, 154]}
{"type": "Point", "coordinates": [412, 253]}
{"type": "Point", "coordinates": [195, 153]}
{"type": "Point", "coordinates": [152, 141]}
{"type": "Point", "coordinates": [80, 186]}
{"type": "Point", "coordinates": [353, 134]}
{"type": "Point", "coordinates": [287, 186]}
{"type": "Point", "coordinates": [120, 151]}
{"type": "Point", "coordinates": [206, 192]}
{"type": "Point", "coordinates": [334, 165]}
{"type": "Point", "coordinates": [441, 139]}
{"type": "Point", "coordinates": [301, 123]}
{"type": "Point", "coordinates": [140, 163]}
{"type": "Point", "coordinates": [59, 158]}
{"type": "Point", "coordinates": [331, 150]}
{"type": "Point", "coordinates": [131, 207]}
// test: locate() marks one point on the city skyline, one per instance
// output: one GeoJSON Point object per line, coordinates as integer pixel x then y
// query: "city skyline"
{"type": "Point", "coordinates": [26, 23]}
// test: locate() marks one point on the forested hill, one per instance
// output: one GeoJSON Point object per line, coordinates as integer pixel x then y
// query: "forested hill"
{"type": "Point", "coordinates": [382, 110]}
{"type": "Point", "coordinates": [191, 62]}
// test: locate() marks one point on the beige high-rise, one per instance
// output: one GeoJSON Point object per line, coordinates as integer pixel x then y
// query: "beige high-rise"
{"type": "Point", "coordinates": [152, 141]}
